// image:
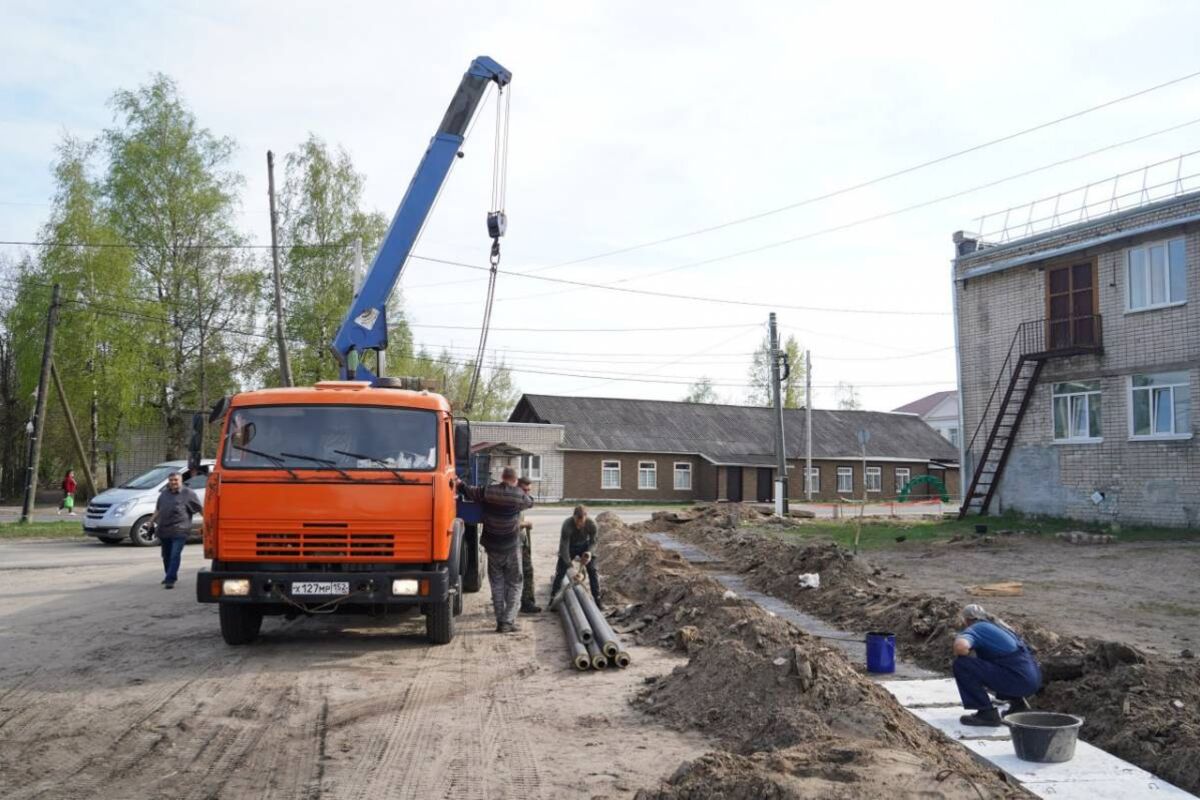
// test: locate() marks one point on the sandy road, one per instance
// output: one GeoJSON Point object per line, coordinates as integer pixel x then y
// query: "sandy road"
{"type": "Point", "coordinates": [111, 687]}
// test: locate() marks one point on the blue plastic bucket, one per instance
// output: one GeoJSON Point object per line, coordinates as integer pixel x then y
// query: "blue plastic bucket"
{"type": "Point", "coordinates": [881, 652]}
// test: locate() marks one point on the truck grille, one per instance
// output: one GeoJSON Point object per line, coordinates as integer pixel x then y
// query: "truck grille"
{"type": "Point", "coordinates": [325, 544]}
{"type": "Point", "coordinates": [97, 509]}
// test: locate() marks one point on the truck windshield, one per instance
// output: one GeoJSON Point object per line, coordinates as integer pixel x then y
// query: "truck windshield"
{"type": "Point", "coordinates": [333, 438]}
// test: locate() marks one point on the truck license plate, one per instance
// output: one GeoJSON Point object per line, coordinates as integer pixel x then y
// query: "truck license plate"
{"type": "Point", "coordinates": [321, 587]}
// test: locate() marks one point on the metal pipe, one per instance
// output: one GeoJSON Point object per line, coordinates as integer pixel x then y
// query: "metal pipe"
{"type": "Point", "coordinates": [600, 627]}
{"type": "Point", "coordinates": [579, 655]}
{"type": "Point", "coordinates": [580, 621]}
{"type": "Point", "coordinates": [622, 659]}
{"type": "Point", "coordinates": [598, 659]}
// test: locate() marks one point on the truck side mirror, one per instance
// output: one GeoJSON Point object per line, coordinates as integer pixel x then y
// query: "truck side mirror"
{"type": "Point", "coordinates": [196, 443]}
{"type": "Point", "coordinates": [462, 442]}
{"type": "Point", "coordinates": [218, 410]}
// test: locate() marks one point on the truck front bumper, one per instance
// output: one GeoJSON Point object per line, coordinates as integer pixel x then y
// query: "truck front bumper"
{"type": "Point", "coordinates": [390, 587]}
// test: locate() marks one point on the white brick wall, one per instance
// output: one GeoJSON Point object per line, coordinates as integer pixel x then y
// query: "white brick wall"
{"type": "Point", "coordinates": [1143, 482]}
{"type": "Point", "coordinates": [543, 440]}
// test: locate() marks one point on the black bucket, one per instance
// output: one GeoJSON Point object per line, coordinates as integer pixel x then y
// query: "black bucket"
{"type": "Point", "coordinates": [1044, 737]}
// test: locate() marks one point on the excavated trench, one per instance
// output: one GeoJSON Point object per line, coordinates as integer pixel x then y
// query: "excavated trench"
{"type": "Point", "coordinates": [794, 717]}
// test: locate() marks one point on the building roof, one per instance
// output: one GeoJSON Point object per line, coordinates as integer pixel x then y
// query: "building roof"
{"type": "Point", "coordinates": [926, 404]}
{"type": "Point", "coordinates": [725, 434]}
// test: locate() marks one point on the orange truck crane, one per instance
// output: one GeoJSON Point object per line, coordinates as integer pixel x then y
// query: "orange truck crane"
{"type": "Point", "coordinates": [340, 498]}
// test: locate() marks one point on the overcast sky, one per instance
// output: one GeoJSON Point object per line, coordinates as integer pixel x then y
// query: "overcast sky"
{"type": "Point", "coordinates": [632, 122]}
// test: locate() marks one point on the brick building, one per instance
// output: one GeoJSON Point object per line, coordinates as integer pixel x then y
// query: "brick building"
{"type": "Point", "coordinates": [1078, 349]}
{"type": "Point", "coordinates": [533, 450]}
{"type": "Point", "coordinates": [653, 450]}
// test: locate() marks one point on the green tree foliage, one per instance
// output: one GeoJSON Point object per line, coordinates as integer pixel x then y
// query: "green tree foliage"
{"type": "Point", "coordinates": [759, 378]}
{"type": "Point", "coordinates": [701, 391]}
{"type": "Point", "coordinates": [321, 220]}
{"type": "Point", "coordinates": [170, 191]}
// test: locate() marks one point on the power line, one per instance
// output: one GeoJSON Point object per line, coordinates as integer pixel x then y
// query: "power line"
{"type": "Point", "coordinates": [874, 181]}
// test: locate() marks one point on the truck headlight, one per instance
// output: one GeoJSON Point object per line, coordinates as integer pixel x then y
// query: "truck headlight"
{"type": "Point", "coordinates": [120, 509]}
{"type": "Point", "coordinates": [405, 586]}
{"type": "Point", "coordinates": [236, 587]}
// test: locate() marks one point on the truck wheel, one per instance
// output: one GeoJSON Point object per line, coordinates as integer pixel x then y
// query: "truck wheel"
{"type": "Point", "coordinates": [458, 597]}
{"type": "Point", "coordinates": [473, 563]}
{"type": "Point", "coordinates": [140, 534]}
{"type": "Point", "coordinates": [439, 623]}
{"type": "Point", "coordinates": [239, 624]}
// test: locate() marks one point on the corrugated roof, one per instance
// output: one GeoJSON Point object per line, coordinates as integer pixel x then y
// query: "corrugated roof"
{"type": "Point", "coordinates": [925, 404]}
{"type": "Point", "coordinates": [728, 434]}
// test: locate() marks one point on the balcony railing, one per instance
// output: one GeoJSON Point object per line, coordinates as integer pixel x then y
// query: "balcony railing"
{"type": "Point", "coordinates": [1045, 338]}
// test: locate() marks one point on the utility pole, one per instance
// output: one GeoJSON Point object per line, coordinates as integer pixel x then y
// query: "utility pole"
{"type": "Point", "coordinates": [808, 403]}
{"type": "Point", "coordinates": [84, 463]}
{"type": "Point", "coordinates": [781, 505]}
{"type": "Point", "coordinates": [864, 436]}
{"type": "Point", "coordinates": [285, 366]}
{"type": "Point", "coordinates": [39, 409]}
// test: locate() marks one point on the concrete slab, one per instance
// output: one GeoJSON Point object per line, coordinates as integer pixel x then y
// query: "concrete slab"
{"type": "Point", "coordinates": [945, 719]}
{"type": "Point", "coordinates": [1120, 789]}
{"type": "Point", "coordinates": [919, 694]}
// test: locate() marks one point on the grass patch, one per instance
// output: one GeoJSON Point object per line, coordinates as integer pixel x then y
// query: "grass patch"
{"type": "Point", "coordinates": [65, 529]}
{"type": "Point", "coordinates": [882, 533]}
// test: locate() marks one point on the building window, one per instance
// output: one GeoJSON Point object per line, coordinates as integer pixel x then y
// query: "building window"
{"type": "Point", "coordinates": [610, 474]}
{"type": "Point", "coordinates": [812, 481]}
{"type": "Point", "coordinates": [1160, 405]}
{"type": "Point", "coordinates": [647, 474]}
{"type": "Point", "coordinates": [903, 476]}
{"type": "Point", "coordinates": [683, 476]}
{"type": "Point", "coordinates": [1156, 275]}
{"type": "Point", "coordinates": [1076, 406]}
{"type": "Point", "coordinates": [531, 467]}
{"type": "Point", "coordinates": [845, 480]}
{"type": "Point", "coordinates": [874, 479]}
{"type": "Point", "coordinates": [952, 435]}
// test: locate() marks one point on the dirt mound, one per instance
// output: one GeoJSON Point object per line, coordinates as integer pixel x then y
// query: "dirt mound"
{"type": "Point", "coordinates": [1144, 710]}
{"type": "Point", "coordinates": [757, 683]}
{"type": "Point", "coordinates": [1146, 713]}
{"type": "Point", "coordinates": [822, 769]}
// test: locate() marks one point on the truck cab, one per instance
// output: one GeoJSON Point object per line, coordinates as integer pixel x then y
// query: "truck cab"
{"type": "Point", "coordinates": [336, 499]}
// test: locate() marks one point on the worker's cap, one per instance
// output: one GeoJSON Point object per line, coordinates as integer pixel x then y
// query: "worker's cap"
{"type": "Point", "coordinates": [976, 612]}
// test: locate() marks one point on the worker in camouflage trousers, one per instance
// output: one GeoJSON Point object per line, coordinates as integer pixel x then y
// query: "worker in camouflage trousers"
{"type": "Point", "coordinates": [502, 504]}
{"type": "Point", "coordinates": [528, 603]}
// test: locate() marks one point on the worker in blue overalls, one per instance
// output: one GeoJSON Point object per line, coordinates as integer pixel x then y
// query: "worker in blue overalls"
{"type": "Point", "coordinates": [990, 655]}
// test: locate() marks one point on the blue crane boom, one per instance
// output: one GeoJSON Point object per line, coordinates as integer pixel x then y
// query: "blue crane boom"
{"type": "Point", "coordinates": [365, 326]}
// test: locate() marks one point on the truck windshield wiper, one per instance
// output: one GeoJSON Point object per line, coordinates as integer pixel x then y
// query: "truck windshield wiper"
{"type": "Point", "coordinates": [276, 460]}
{"type": "Point", "coordinates": [381, 462]}
{"type": "Point", "coordinates": [325, 461]}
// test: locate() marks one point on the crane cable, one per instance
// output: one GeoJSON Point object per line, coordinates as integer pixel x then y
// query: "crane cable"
{"type": "Point", "coordinates": [497, 222]}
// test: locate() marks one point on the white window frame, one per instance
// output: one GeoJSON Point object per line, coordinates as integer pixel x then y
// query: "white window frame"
{"type": "Point", "coordinates": [528, 469]}
{"type": "Point", "coordinates": [608, 468]}
{"type": "Point", "coordinates": [952, 435]}
{"type": "Point", "coordinates": [814, 472]}
{"type": "Point", "coordinates": [900, 484]}
{"type": "Point", "coordinates": [1071, 396]}
{"type": "Point", "coordinates": [1175, 433]}
{"type": "Point", "coordinates": [845, 472]}
{"type": "Point", "coordinates": [683, 469]}
{"type": "Point", "coordinates": [874, 486]}
{"type": "Point", "coordinates": [650, 468]}
{"type": "Point", "coordinates": [1149, 280]}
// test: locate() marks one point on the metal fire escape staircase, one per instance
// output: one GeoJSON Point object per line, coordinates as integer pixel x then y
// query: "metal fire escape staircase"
{"type": "Point", "coordinates": [1032, 345]}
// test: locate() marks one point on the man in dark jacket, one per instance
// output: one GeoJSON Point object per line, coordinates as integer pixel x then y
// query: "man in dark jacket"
{"type": "Point", "coordinates": [528, 602]}
{"type": "Point", "coordinates": [172, 521]}
{"type": "Point", "coordinates": [502, 504]}
{"type": "Point", "coordinates": [577, 539]}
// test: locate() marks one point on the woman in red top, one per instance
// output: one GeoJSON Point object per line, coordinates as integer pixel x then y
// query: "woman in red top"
{"type": "Point", "coordinates": [68, 487]}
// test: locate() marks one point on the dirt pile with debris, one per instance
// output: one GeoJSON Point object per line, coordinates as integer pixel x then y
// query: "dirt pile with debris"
{"type": "Point", "coordinates": [758, 684]}
{"type": "Point", "coordinates": [1142, 709]}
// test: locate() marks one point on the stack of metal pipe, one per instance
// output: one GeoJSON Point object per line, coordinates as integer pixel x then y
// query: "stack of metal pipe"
{"type": "Point", "coordinates": [591, 643]}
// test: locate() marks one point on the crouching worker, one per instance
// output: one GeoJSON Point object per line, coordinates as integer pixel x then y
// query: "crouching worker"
{"type": "Point", "coordinates": [577, 539]}
{"type": "Point", "coordinates": [990, 655]}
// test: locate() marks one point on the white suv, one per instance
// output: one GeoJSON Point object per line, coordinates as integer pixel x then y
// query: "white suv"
{"type": "Point", "coordinates": [124, 512]}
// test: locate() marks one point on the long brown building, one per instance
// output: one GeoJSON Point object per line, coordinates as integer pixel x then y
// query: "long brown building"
{"type": "Point", "coordinates": [654, 450]}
